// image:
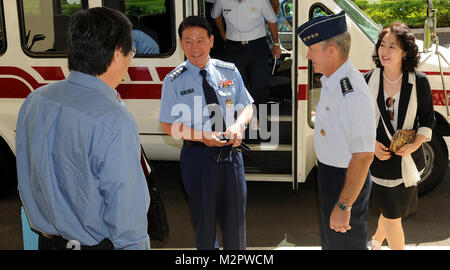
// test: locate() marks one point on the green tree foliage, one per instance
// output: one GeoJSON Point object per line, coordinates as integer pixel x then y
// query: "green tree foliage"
{"type": "Point", "coordinates": [411, 12]}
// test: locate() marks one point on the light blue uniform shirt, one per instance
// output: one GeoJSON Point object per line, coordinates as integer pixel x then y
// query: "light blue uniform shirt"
{"type": "Point", "coordinates": [344, 124]}
{"type": "Point", "coordinates": [78, 161]}
{"type": "Point", "coordinates": [143, 43]}
{"type": "Point", "coordinates": [245, 21]}
{"type": "Point", "coordinates": [183, 99]}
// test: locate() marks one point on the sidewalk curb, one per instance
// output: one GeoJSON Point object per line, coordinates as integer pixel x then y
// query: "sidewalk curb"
{"type": "Point", "coordinates": [438, 30]}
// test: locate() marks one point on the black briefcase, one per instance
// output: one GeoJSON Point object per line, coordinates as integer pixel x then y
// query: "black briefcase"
{"type": "Point", "coordinates": [158, 227]}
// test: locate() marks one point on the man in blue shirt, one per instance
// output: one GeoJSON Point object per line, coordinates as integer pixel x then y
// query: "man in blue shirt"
{"type": "Point", "coordinates": [78, 150]}
{"type": "Point", "coordinates": [212, 169]}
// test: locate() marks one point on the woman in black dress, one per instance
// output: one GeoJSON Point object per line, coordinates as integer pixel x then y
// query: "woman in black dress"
{"type": "Point", "coordinates": [404, 101]}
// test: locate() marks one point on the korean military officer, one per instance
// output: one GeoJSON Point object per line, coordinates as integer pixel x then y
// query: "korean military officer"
{"type": "Point", "coordinates": [212, 168]}
{"type": "Point", "coordinates": [246, 44]}
{"type": "Point", "coordinates": [344, 134]}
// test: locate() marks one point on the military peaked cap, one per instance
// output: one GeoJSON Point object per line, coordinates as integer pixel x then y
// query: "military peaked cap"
{"type": "Point", "coordinates": [322, 28]}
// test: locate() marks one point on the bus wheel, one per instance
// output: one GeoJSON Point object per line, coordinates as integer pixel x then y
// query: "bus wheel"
{"type": "Point", "coordinates": [8, 174]}
{"type": "Point", "coordinates": [436, 163]}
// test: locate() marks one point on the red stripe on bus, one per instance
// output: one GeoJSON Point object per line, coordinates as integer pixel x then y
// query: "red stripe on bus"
{"type": "Point", "coordinates": [13, 88]}
{"type": "Point", "coordinates": [22, 74]}
{"type": "Point", "coordinates": [50, 73]}
{"type": "Point", "coordinates": [439, 97]}
{"type": "Point", "coordinates": [140, 91]}
{"type": "Point", "coordinates": [436, 73]}
{"type": "Point", "coordinates": [302, 92]}
{"type": "Point", "coordinates": [139, 74]}
{"type": "Point", "coordinates": [163, 71]}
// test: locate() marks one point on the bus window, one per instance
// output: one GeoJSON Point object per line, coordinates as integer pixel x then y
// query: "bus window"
{"type": "Point", "coordinates": [284, 16]}
{"type": "Point", "coordinates": [153, 30]}
{"type": "Point", "coordinates": [315, 85]}
{"type": "Point", "coordinates": [284, 22]}
{"type": "Point", "coordinates": [2, 30]}
{"type": "Point", "coordinates": [44, 25]}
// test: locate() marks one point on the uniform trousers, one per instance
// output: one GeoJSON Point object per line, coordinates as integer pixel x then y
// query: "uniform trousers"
{"type": "Point", "coordinates": [216, 191]}
{"type": "Point", "coordinates": [253, 63]}
{"type": "Point", "coordinates": [330, 181]}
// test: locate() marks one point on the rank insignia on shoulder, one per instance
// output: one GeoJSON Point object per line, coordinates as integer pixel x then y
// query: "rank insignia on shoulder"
{"type": "Point", "coordinates": [177, 72]}
{"type": "Point", "coordinates": [223, 64]}
{"type": "Point", "coordinates": [346, 86]}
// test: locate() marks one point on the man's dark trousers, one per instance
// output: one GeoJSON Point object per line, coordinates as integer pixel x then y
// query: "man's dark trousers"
{"type": "Point", "coordinates": [253, 63]}
{"type": "Point", "coordinates": [215, 190]}
{"type": "Point", "coordinates": [330, 181]}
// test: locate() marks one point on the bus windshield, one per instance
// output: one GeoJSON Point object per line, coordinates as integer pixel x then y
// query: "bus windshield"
{"type": "Point", "coordinates": [366, 24]}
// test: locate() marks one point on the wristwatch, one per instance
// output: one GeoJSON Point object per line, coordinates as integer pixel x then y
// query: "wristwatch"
{"type": "Point", "coordinates": [276, 44]}
{"type": "Point", "coordinates": [343, 207]}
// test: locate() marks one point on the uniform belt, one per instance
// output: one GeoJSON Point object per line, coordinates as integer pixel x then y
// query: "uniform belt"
{"type": "Point", "coordinates": [57, 242]}
{"type": "Point", "coordinates": [241, 147]}
{"type": "Point", "coordinates": [194, 144]}
{"type": "Point", "coordinates": [244, 42]}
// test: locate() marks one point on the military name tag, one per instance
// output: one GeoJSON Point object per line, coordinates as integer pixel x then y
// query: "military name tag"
{"type": "Point", "coordinates": [188, 91]}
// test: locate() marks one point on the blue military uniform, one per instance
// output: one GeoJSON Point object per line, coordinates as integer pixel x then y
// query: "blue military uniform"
{"type": "Point", "coordinates": [345, 124]}
{"type": "Point", "coordinates": [216, 188]}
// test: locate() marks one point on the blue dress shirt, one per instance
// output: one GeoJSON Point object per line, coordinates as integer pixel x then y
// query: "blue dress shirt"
{"type": "Point", "coordinates": [78, 161]}
{"type": "Point", "coordinates": [143, 43]}
{"type": "Point", "coordinates": [183, 99]}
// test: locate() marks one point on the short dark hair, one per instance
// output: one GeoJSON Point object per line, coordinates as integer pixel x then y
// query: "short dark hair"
{"type": "Point", "coordinates": [407, 43]}
{"type": "Point", "coordinates": [93, 36]}
{"type": "Point", "coordinates": [193, 21]}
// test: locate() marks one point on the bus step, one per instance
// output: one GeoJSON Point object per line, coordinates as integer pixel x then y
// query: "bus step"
{"type": "Point", "coordinates": [268, 161]}
{"type": "Point", "coordinates": [282, 177]}
{"type": "Point", "coordinates": [270, 132]}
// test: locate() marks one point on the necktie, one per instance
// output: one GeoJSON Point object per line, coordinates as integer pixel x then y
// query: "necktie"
{"type": "Point", "coordinates": [211, 101]}
{"type": "Point", "coordinates": [211, 98]}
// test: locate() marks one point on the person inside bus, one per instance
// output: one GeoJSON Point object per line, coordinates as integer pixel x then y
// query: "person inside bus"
{"type": "Point", "coordinates": [344, 134]}
{"type": "Point", "coordinates": [217, 51]}
{"type": "Point", "coordinates": [246, 44]}
{"type": "Point", "coordinates": [212, 168]}
{"type": "Point", "coordinates": [283, 23]}
{"type": "Point", "coordinates": [78, 151]}
{"type": "Point", "coordinates": [144, 39]}
{"type": "Point", "coordinates": [404, 101]}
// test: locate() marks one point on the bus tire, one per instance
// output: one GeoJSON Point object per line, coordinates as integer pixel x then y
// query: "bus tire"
{"type": "Point", "coordinates": [436, 163]}
{"type": "Point", "coordinates": [8, 174]}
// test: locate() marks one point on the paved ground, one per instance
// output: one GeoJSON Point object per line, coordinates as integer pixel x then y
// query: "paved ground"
{"type": "Point", "coordinates": [276, 217]}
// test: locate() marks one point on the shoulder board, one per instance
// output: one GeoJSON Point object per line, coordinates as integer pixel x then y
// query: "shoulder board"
{"type": "Point", "coordinates": [177, 72]}
{"type": "Point", "coordinates": [223, 64]}
{"type": "Point", "coordinates": [346, 86]}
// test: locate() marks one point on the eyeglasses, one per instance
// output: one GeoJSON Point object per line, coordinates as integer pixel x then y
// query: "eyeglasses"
{"type": "Point", "coordinates": [132, 51]}
{"type": "Point", "coordinates": [390, 107]}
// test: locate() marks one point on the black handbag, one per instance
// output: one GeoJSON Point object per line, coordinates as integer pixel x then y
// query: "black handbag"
{"type": "Point", "coordinates": [158, 227]}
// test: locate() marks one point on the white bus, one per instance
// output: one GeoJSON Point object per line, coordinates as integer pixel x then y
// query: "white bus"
{"type": "Point", "coordinates": [33, 53]}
